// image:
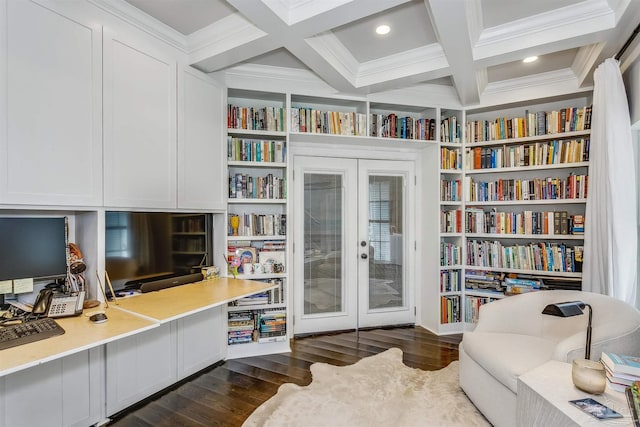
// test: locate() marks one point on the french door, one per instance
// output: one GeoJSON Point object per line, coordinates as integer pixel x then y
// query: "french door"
{"type": "Point", "coordinates": [353, 260]}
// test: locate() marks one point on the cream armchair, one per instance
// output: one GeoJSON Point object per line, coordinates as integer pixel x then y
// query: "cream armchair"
{"type": "Point", "coordinates": [513, 336]}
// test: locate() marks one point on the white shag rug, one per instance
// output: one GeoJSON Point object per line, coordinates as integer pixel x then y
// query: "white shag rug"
{"type": "Point", "coordinates": [376, 391]}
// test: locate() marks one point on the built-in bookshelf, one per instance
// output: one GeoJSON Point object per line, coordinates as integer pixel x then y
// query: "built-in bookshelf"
{"type": "Point", "coordinates": [451, 220]}
{"type": "Point", "coordinates": [524, 188]}
{"type": "Point", "coordinates": [257, 220]}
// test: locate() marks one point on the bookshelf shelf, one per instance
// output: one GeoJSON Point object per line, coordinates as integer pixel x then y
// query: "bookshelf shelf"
{"type": "Point", "coordinates": [242, 164]}
{"type": "Point", "coordinates": [535, 138]}
{"type": "Point", "coordinates": [526, 272]}
{"type": "Point", "coordinates": [250, 238]}
{"type": "Point", "coordinates": [498, 236]}
{"type": "Point", "coordinates": [258, 201]}
{"type": "Point", "coordinates": [528, 168]}
{"type": "Point", "coordinates": [256, 133]}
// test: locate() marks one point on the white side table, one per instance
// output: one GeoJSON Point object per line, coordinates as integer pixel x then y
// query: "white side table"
{"type": "Point", "coordinates": [544, 394]}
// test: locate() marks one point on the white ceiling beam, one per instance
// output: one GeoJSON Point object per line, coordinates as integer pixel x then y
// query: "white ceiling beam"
{"type": "Point", "coordinates": [452, 28]}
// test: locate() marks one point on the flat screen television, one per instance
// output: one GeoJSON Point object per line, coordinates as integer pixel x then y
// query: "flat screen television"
{"type": "Point", "coordinates": [147, 248]}
{"type": "Point", "coordinates": [32, 248]}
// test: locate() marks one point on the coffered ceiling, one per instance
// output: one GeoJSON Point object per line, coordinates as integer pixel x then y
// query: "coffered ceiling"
{"type": "Point", "coordinates": [471, 50]}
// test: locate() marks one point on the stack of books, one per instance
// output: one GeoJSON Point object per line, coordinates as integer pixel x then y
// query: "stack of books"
{"type": "Point", "coordinates": [622, 370]}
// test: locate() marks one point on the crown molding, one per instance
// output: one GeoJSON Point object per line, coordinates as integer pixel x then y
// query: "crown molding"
{"type": "Point", "coordinates": [543, 85]}
{"type": "Point", "coordinates": [618, 7]}
{"type": "Point", "coordinates": [223, 35]}
{"type": "Point", "coordinates": [585, 60]}
{"type": "Point", "coordinates": [422, 95]}
{"type": "Point", "coordinates": [482, 79]}
{"type": "Point", "coordinates": [586, 17]}
{"type": "Point", "coordinates": [135, 17]}
{"type": "Point", "coordinates": [278, 79]}
{"type": "Point", "coordinates": [331, 49]}
{"type": "Point", "coordinates": [403, 64]}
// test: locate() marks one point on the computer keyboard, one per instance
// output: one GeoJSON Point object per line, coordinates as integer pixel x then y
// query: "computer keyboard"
{"type": "Point", "coordinates": [24, 333]}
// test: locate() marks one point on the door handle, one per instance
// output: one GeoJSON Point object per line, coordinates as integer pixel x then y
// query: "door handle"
{"type": "Point", "coordinates": [363, 256]}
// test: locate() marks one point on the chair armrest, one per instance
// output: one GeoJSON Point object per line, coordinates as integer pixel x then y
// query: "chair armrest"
{"type": "Point", "coordinates": [514, 314]}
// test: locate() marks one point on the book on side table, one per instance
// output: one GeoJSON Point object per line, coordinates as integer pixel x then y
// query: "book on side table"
{"type": "Point", "coordinates": [633, 398]}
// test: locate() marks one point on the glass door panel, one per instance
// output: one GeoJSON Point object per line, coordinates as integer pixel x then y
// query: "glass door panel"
{"type": "Point", "coordinates": [323, 237]}
{"type": "Point", "coordinates": [386, 286]}
{"type": "Point", "coordinates": [325, 291]}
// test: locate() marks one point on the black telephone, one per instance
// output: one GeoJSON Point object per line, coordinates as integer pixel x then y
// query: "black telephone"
{"type": "Point", "coordinates": [43, 301]}
{"type": "Point", "coordinates": [58, 305]}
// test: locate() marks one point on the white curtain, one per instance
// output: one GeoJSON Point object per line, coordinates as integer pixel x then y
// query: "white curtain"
{"type": "Point", "coordinates": [610, 255]}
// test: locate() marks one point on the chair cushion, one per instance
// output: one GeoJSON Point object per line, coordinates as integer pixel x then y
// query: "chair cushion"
{"type": "Point", "coordinates": [507, 356]}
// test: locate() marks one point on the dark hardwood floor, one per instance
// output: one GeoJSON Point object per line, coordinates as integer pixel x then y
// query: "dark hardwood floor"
{"type": "Point", "coordinates": [227, 394]}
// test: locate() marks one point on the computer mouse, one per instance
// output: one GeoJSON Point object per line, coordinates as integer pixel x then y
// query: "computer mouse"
{"type": "Point", "coordinates": [98, 318]}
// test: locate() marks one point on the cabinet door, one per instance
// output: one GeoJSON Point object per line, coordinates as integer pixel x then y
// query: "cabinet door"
{"type": "Point", "coordinates": [62, 392]}
{"type": "Point", "coordinates": [51, 108]}
{"type": "Point", "coordinates": [140, 365]}
{"type": "Point", "coordinates": [201, 142]}
{"type": "Point", "coordinates": [139, 124]}
{"type": "Point", "coordinates": [201, 340]}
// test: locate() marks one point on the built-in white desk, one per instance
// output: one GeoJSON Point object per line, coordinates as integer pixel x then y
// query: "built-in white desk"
{"type": "Point", "coordinates": [149, 342]}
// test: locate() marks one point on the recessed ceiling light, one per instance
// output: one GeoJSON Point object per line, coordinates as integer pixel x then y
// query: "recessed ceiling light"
{"type": "Point", "coordinates": [530, 59]}
{"type": "Point", "coordinates": [383, 29]}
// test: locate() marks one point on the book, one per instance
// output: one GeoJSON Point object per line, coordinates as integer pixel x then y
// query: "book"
{"type": "Point", "coordinates": [633, 399]}
{"type": "Point", "coordinates": [621, 363]}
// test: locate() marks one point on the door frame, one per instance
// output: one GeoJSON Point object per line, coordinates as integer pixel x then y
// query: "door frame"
{"type": "Point", "coordinates": [366, 149]}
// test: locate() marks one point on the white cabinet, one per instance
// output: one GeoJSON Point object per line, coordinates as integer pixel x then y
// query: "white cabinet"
{"type": "Point", "coordinates": [63, 392]}
{"type": "Point", "coordinates": [139, 366]}
{"type": "Point", "coordinates": [146, 363]}
{"type": "Point", "coordinates": [51, 109]}
{"type": "Point", "coordinates": [200, 141]}
{"type": "Point", "coordinates": [139, 124]}
{"type": "Point", "coordinates": [201, 340]}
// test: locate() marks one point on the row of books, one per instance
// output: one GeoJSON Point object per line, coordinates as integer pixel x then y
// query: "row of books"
{"type": "Point", "coordinates": [245, 186]}
{"type": "Point", "coordinates": [264, 325]}
{"type": "Point", "coordinates": [450, 190]}
{"type": "Point", "coordinates": [472, 306]}
{"type": "Point", "coordinates": [255, 224]}
{"type": "Point", "coordinates": [272, 296]}
{"type": "Point", "coordinates": [550, 153]}
{"type": "Point", "coordinates": [394, 126]}
{"type": "Point", "coordinates": [309, 120]}
{"type": "Point", "coordinates": [241, 326]}
{"type": "Point", "coordinates": [450, 130]}
{"type": "Point", "coordinates": [272, 325]}
{"type": "Point", "coordinates": [450, 158]}
{"type": "Point", "coordinates": [540, 256]}
{"type": "Point", "coordinates": [538, 123]}
{"type": "Point", "coordinates": [527, 222]}
{"type": "Point", "coordinates": [484, 280]}
{"type": "Point", "coordinates": [451, 221]}
{"type": "Point", "coordinates": [256, 118]}
{"type": "Point", "coordinates": [256, 150]}
{"type": "Point", "coordinates": [449, 281]}
{"type": "Point", "coordinates": [549, 188]}
{"type": "Point", "coordinates": [449, 309]}
{"type": "Point", "coordinates": [450, 254]}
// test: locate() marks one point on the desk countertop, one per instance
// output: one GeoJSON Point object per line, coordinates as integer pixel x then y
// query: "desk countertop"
{"type": "Point", "coordinates": [128, 316]}
{"type": "Point", "coordinates": [173, 303]}
{"type": "Point", "coordinates": [80, 334]}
